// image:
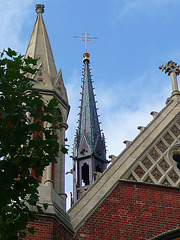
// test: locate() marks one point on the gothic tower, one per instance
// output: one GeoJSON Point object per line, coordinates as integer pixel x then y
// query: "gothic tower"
{"type": "Point", "coordinates": [50, 84]}
{"type": "Point", "coordinates": [54, 222]}
{"type": "Point", "coordinates": [89, 151]}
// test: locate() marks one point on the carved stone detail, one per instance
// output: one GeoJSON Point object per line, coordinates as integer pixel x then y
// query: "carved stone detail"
{"type": "Point", "coordinates": [170, 67]}
{"type": "Point", "coordinates": [127, 142]}
{"type": "Point", "coordinates": [97, 175]}
{"type": "Point", "coordinates": [168, 100]}
{"type": "Point", "coordinates": [175, 150]}
{"type": "Point", "coordinates": [81, 192]}
{"type": "Point", "coordinates": [173, 176]}
{"type": "Point", "coordinates": [131, 178]}
{"type": "Point", "coordinates": [139, 172]}
{"type": "Point", "coordinates": [113, 158]}
{"type": "Point", "coordinates": [147, 163]}
{"type": "Point", "coordinates": [154, 154]}
{"type": "Point", "coordinates": [154, 114]}
{"type": "Point", "coordinates": [40, 81]}
{"type": "Point", "coordinates": [168, 139]}
{"type": "Point", "coordinates": [161, 146]}
{"type": "Point", "coordinates": [63, 126]}
{"type": "Point", "coordinates": [141, 128]}
{"type": "Point", "coordinates": [175, 131]}
{"type": "Point", "coordinates": [156, 174]}
{"type": "Point", "coordinates": [157, 167]}
{"type": "Point", "coordinates": [173, 70]}
{"type": "Point", "coordinates": [166, 183]}
{"type": "Point", "coordinates": [39, 8]}
{"type": "Point", "coordinates": [164, 165]}
{"type": "Point", "coordinates": [149, 180]}
{"type": "Point", "coordinates": [178, 122]}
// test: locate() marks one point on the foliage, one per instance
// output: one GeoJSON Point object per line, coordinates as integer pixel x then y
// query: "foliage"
{"type": "Point", "coordinates": [26, 147]}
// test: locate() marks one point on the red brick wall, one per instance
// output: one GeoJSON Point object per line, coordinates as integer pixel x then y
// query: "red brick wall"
{"type": "Point", "coordinates": [133, 212]}
{"type": "Point", "coordinates": [48, 228]}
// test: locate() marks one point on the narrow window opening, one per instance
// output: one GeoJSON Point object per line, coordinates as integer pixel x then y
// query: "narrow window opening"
{"type": "Point", "coordinates": [98, 168]}
{"type": "Point", "coordinates": [85, 174]}
{"type": "Point", "coordinates": [176, 158]}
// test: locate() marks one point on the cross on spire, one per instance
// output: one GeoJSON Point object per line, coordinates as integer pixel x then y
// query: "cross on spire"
{"type": "Point", "coordinates": [173, 71]}
{"type": "Point", "coordinates": [85, 37]}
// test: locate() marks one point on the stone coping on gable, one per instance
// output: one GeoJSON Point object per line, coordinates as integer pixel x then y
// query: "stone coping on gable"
{"type": "Point", "coordinates": [110, 177]}
{"type": "Point", "coordinates": [170, 235]}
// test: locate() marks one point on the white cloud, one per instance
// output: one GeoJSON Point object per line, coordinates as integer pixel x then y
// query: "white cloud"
{"type": "Point", "coordinates": [123, 107]}
{"type": "Point", "coordinates": [143, 6]}
{"type": "Point", "coordinates": [123, 125]}
{"type": "Point", "coordinates": [13, 16]}
{"type": "Point", "coordinates": [126, 105]}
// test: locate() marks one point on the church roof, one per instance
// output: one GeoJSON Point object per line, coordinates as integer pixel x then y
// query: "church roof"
{"type": "Point", "coordinates": [88, 132]}
{"type": "Point", "coordinates": [47, 78]}
{"type": "Point", "coordinates": [39, 45]}
{"type": "Point", "coordinates": [147, 159]}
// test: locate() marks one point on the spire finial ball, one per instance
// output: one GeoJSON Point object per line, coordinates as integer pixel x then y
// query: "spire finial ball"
{"type": "Point", "coordinates": [39, 8]}
{"type": "Point", "coordinates": [86, 56]}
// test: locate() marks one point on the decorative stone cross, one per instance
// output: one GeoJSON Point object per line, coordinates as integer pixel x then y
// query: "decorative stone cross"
{"type": "Point", "coordinates": [173, 70]}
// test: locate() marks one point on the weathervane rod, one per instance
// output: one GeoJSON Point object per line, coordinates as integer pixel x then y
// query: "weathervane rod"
{"type": "Point", "coordinates": [85, 37]}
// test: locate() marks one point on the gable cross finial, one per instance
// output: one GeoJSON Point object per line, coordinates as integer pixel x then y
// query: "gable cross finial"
{"type": "Point", "coordinates": [173, 71]}
{"type": "Point", "coordinates": [85, 37]}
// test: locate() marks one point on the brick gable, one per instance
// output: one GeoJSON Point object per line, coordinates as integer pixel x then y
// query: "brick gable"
{"type": "Point", "coordinates": [133, 211]}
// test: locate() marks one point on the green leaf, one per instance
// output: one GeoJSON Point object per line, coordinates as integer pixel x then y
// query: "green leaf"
{"type": "Point", "coordinates": [45, 205]}
{"type": "Point", "coordinates": [64, 150]}
{"type": "Point", "coordinates": [26, 146]}
{"type": "Point", "coordinates": [11, 53]}
{"type": "Point", "coordinates": [31, 230]}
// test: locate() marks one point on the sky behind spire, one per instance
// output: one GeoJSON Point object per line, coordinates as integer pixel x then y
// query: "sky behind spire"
{"type": "Point", "coordinates": [135, 38]}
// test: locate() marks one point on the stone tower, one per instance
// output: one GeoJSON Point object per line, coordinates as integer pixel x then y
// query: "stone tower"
{"type": "Point", "coordinates": [89, 152]}
{"type": "Point", "coordinates": [50, 84]}
{"type": "Point", "coordinates": [54, 222]}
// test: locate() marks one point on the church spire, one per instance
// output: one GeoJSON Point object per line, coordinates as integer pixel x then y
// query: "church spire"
{"type": "Point", "coordinates": [39, 45]}
{"type": "Point", "coordinates": [50, 85]}
{"type": "Point", "coordinates": [88, 120]}
{"type": "Point", "coordinates": [89, 146]}
{"type": "Point", "coordinates": [47, 79]}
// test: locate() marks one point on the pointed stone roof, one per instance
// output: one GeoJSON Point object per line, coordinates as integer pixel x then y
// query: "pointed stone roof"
{"type": "Point", "coordinates": [39, 45]}
{"type": "Point", "coordinates": [46, 79]}
{"type": "Point", "coordinates": [89, 126]}
{"type": "Point", "coordinates": [147, 159]}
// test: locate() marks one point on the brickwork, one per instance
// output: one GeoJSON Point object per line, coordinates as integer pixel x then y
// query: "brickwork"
{"type": "Point", "coordinates": [133, 211]}
{"type": "Point", "coordinates": [48, 228]}
{"type": "Point", "coordinates": [60, 233]}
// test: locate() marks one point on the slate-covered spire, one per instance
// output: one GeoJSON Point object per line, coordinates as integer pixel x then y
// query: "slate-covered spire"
{"type": "Point", "coordinates": [88, 127]}
{"type": "Point", "coordinates": [89, 146]}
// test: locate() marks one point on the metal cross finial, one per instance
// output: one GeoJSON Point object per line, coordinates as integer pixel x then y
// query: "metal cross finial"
{"type": "Point", "coordinates": [173, 70]}
{"type": "Point", "coordinates": [85, 37]}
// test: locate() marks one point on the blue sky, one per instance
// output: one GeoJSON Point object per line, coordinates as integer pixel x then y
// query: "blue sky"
{"type": "Point", "coordinates": [135, 38]}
